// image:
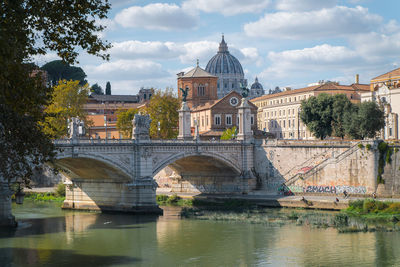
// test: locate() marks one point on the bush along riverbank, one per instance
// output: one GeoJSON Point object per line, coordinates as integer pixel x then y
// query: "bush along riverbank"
{"type": "Point", "coordinates": [361, 216]}
{"type": "Point", "coordinates": [57, 196]}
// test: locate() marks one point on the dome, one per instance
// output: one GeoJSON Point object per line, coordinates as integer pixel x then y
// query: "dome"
{"type": "Point", "coordinates": [223, 62]}
{"type": "Point", "coordinates": [256, 85]}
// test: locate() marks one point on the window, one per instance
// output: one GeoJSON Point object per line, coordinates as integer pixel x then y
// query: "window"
{"type": "Point", "coordinates": [144, 96]}
{"type": "Point", "coordinates": [289, 123]}
{"type": "Point", "coordinates": [200, 90]}
{"type": "Point", "coordinates": [226, 85]}
{"type": "Point", "coordinates": [390, 132]}
{"type": "Point", "coordinates": [293, 124]}
{"type": "Point", "coordinates": [228, 119]}
{"type": "Point", "coordinates": [284, 123]}
{"type": "Point", "coordinates": [233, 85]}
{"type": "Point", "coordinates": [202, 121]}
{"type": "Point", "coordinates": [206, 120]}
{"type": "Point", "coordinates": [217, 119]}
{"type": "Point", "coordinates": [252, 119]}
{"type": "Point", "coordinates": [294, 98]}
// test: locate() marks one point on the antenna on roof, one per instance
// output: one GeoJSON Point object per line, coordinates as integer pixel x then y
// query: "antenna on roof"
{"type": "Point", "coordinates": [197, 62]}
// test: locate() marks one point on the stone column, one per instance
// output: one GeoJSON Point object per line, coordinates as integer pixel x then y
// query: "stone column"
{"type": "Point", "coordinates": [244, 114]}
{"type": "Point", "coordinates": [184, 123]}
{"type": "Point", "coordinates": [6, 217]}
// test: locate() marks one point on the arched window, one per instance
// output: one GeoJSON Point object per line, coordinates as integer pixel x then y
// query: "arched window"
{"type": "Point", "coordinates": [201, 90]}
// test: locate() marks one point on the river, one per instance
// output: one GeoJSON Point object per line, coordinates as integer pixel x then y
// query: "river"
{"type": "Point", "coordinates": [49, 236]}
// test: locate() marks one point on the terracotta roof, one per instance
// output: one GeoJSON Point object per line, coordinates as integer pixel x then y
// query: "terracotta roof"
{"type": "Point", "coordinates": [119, 98]}
{"type": "Point", "coordinates": [212, 103]}
{"type": "Point", "coordinates": [289, 92]}
{"type": "Point", "coordinates": [388, 75]}
{"type": "Point", "coordinates": [197, 72]}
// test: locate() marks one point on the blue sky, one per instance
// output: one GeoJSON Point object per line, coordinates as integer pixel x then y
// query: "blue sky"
{"type": "Point", "coordinates": [283, 42]}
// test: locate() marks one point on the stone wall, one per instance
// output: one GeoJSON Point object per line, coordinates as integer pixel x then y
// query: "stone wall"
{"type": "Point", "coordinates": [391, 175]}
{"type": "Point", "coordinates": [317, 167]}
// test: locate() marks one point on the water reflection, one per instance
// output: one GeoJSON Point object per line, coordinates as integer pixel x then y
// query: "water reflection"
{"type": "Point", "coordinates": [95, 239]}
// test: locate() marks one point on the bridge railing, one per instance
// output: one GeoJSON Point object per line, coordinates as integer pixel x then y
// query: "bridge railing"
{"type": "Point", "coordinates": [131, 141]}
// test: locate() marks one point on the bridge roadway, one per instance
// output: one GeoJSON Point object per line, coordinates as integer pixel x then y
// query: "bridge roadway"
{"type": "Point", "coordinates": [118, 174]}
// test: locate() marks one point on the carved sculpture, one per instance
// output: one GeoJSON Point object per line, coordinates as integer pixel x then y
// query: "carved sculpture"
{"type": "Point", "coordinates": [184, 94]}
{"type": "Point", "coordinates": [245, 90]}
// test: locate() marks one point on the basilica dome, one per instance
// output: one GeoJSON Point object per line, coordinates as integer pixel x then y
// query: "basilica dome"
{"type": "Point", "coordinates": [224, 62]}
{"type": "Point", "coordinates": [228, 70]}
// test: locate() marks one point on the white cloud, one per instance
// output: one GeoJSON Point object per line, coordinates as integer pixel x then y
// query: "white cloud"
{"type": "Point", "coordinates": [126, 69]}
{"type": "Point", "coordinates": [157, 17]}
{"type": "Point", "coordinates": [315, 59]}
{"type": "Point", "coordinates": [251, 56]}
{"type": "Point", "coordinates": [377, 47]}
{"type": "Point", "coordinates": [333, 22]}
{"type": "Point", "coordinates": [202, 50]}
{"type": "Point", "coordinates": [304, 5]}
{"type": "Point", "coordinates": [227, 7]}
{"type": "Point", "coordinates": [152, 50]}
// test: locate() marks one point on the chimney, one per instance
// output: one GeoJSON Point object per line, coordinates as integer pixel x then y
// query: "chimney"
{"type": "Point", "coordinates": [357, 79]}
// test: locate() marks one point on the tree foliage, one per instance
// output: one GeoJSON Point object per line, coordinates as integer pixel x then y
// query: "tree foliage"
{"type": "Point", "coordinates": [163, 108]}
{"type": "Point", "coordinates": [59, 70]}
{"type": "Point", "coordinates": [28, 28]}
{"type": "Point", "coordinates": [229, 133]}
{"type": "Point", "coordinates": [96, 89]}
{"type": "Point", "coordinates": [108, 88]}
{"type": "Point", "coordinates": [340, 106]}
{"type": "Point", "coordinates": [67, 102]}
{"type": "Point", "coordinates": [326, 114]}
{"type": "Point", "coordinates": [316, 113]}
{"type": "Point", "coordinates": [124, 121]}
{"type": "Point", "coordinates": [365, 121]}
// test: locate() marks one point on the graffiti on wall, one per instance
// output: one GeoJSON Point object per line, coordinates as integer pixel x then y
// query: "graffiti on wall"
{"type": "Point", "coordinates": [338, 189]}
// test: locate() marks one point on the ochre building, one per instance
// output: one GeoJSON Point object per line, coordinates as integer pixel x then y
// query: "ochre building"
{"type": "Point", "coordinates": [385, 90]}
{"type": "Point", "coordinates": [279, 113]}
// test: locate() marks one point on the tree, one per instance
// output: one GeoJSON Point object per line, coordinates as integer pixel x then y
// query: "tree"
{"type": "Point", "coordinates": [124, 122]}
{"type": "Point", "coordinates": [67, 102]}
{"type": "Point", "coordinates": [108, 88]}
{"type": "Point", "coordinates": [163, 109]}
{"type": "Point", "coordinates": [366, 120]}
{"type": "Point", "coordinates": [29, 28]}
{"type": "Point", "coordinates": [59, 70]}
{"type": "Point", "coordinates": [96, 89]}
{"type": "Point", "coordinates": [316, 113]}
{"type": "Point", "coordinates": [341, 105]}
{"type": "Point", "coordinates": [229, 133]}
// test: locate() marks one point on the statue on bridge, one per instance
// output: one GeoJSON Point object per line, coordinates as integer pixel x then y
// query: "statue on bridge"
{"type": "Point", "coordinates": [141, 127]}
{"type": "Point", "coordinates": [76, 128]}
{"type": "Point", "coordinates": [184, 93]}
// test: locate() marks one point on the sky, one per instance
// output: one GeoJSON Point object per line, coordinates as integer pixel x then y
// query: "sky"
{"type": "Point", "coordinates": [285, 43]}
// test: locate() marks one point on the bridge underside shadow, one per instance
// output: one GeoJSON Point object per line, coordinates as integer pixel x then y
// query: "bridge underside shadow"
{"type": "Point", "coordinates": [200, 174]}
{"type": "Point", "coordinates": [95, 185]}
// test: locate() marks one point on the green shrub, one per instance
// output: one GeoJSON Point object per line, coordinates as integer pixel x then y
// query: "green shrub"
{"type": "Point", "coordinates": [356, 205]}
{"type": "Point", "coordinates": [161, 199]}
{"type": "Point", "coordinates": [361, 146]}
{"type": "Point", "coordinates": [60, 191]}
{"type": "Point", "coordinates": [368, 146]}
{"type": "Point", "coordinates": [173, 199]}
{"type": "Point", "coordinates": [369, 205]}
{"type": "Point", "coordinates": [394, 208]}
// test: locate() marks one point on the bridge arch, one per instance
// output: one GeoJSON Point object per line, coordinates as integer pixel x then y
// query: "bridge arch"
{"type": "Point", "coordinates": [92, 166]}
{"type": "Point", "coordinates": [181, 156]}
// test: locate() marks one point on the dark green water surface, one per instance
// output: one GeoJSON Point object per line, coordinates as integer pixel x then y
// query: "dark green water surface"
{"type": "Point", "coordinates": [48, 236]}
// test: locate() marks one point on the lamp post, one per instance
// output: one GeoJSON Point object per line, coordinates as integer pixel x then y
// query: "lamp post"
{"type": "Point", "coordinates": [158, 128]}
{"type": "Point", "coordinates": [105, 124]}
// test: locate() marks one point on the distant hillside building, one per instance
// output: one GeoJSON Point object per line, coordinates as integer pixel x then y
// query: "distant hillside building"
{"type": "Point", "coordinates": [279, 113]}
{"type": "Point", "coordinates": [385, 90]}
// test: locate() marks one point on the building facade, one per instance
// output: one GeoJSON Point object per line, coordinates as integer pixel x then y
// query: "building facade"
{"type": "Point", "coordinates": [279, 113]}
{"type": "Point", "coordinates": [385, 90]}
{"type": "Point", "coordinates": [201, 86]}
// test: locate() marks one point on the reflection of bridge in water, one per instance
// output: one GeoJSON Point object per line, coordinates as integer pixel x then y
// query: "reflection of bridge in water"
{"type": "Point", "coordinates": [118, 174]}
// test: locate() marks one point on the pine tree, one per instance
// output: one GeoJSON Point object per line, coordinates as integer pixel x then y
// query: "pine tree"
{"type": "Point", "coordinates": [108, 88]}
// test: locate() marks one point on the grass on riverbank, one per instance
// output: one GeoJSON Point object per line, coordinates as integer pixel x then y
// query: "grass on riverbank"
{"type": "Point", "coordinates": [52, 197]}
{"type": "Point", "coordinates": [374, 210]}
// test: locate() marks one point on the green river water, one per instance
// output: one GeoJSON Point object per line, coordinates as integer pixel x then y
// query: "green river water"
{"type": "Point", "coordinates": [49, 236]}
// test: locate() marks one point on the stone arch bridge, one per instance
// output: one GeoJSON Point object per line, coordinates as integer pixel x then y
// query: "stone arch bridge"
{"type": "Point", "coordinates": [118, 174]}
